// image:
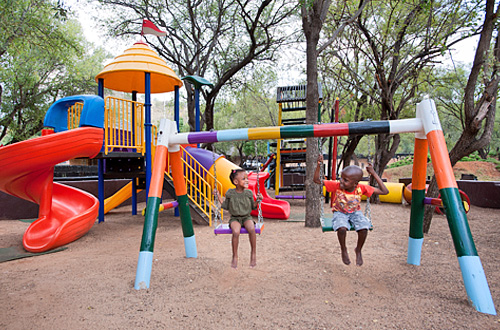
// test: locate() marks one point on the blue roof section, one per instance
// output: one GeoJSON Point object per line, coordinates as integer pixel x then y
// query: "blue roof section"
{"type": "Point", "coordinates": [92, 112]}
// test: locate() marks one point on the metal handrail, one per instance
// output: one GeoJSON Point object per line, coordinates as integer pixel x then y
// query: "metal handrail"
{"type": "Point", "coordinates": [199, 184]}
{"type": "Point", "coordinates": [74, 113]}
{"type": "Point", "coordinates": [124, 125]}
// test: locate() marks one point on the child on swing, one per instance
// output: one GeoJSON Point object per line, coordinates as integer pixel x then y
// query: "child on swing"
{"type": "Point", "coordinates": [239, 201]}
{"type": "Point", "coordinates": [346, 199]}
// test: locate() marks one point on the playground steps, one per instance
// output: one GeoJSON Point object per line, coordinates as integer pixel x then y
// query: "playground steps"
{"type": "Point", "coordinates": [198, 216]}
{"type": "Point", "coordinates": [291, 153]}
{"type": "Point", "coordinates": [294, 121]}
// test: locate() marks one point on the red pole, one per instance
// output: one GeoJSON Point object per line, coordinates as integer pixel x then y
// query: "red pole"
{"type": "Point", "coordinates": [335, 143]}
{"type": "Point", "coordinates": [334, 153]}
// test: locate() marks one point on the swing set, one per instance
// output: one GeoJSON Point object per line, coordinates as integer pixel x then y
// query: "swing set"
{"type": "Point", "coordinates": [223, 228]}
{"type": "Point", "coordinates": [327, 222]}
{"type": "Point", "coordinates": [429, 137]}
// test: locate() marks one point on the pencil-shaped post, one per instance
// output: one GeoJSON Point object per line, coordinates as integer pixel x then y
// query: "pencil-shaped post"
{"type": "Point", "coordinates": [418, 181]}
{"type": "Point", "coordinates": [145, 263]}
{"type": "Point", "coordinates": [182, 198]}
{"type": "Point", "coordinates": [473, 274]}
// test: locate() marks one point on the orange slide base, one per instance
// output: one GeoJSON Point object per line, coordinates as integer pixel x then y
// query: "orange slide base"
{"type": "Point", "coordinates": [27, 167]}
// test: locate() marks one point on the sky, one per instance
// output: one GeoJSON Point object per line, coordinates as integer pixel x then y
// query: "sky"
{"type": "Point", "coordinates": [84, 12]}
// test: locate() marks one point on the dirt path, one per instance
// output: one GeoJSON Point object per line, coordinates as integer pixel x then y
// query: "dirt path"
{"type": "Point", "coordinates": [299, 283]}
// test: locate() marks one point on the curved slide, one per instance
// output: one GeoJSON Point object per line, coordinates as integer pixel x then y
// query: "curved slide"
{"type": "Point", "coordinates": [119, 197]}
{"type": "Point", "coordinates": [27, 167]}
{"type": "Point", "coordinates": [271, 208]}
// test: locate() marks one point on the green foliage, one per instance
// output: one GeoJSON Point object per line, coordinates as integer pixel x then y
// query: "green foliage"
{"type": "Point", "coordinates": [44, 58]}
{"type": "Point", "coordinates": [214, 39]}
{"type": "Point", "coordinates": [383, 64]}
{"type": "Point", "coordinates": [249, 104]}
{"type": "Point", "coordinates": [405, 161]}
{"type": "Point", "coordinates": [472, 158]}
{"type": "Point", "coordinates": [494, 161]}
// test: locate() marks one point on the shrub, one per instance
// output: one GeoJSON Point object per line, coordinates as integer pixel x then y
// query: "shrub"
{"type": "Point", "coordinates": [405, 161]}
{"type": "Point", "coordinates": [494, 161]}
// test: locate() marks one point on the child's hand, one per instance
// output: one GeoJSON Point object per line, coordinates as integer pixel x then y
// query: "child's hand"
{"type": "Point", "coordinates": [217, 195]}
{"type": "Point", "coordinates": [370, 169]}
{"type": "Point", "coordinates": [259, 197]}
{"type": "Point", "coordinates": [320, 160]}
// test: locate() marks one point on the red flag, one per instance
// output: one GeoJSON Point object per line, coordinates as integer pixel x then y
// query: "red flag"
{"type": "Point", "coordinates": [149, 28]}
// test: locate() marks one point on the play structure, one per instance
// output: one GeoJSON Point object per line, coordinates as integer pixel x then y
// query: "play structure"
{"type": "Point", "coordinates": [429, 137]}
{"type": "Point", "coordinates": [271, 208]}
{"type": "Point", "coordinates": [119, 133]}
{"type": "Point", "coordinates": [65, 213]}
{"type": "Point", "coordinates": [290, 169]}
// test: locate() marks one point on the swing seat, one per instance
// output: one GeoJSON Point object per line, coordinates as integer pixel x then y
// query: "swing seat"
{"type": "Point", "coordinates": [224, 229]}
{"type": "Point", "coordinates": [327, 225]}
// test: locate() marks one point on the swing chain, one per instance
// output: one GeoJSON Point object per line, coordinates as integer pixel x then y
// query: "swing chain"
{"type": "Point", "coordinates": [368, 209]}
{"type": "Point", "coordinates": [259, 217]}
{"type": "Point", "coordinates": [217, 210]}
{"type": "Point", "coordinates": [321, 178]}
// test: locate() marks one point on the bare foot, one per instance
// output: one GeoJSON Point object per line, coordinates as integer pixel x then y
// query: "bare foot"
{"type": "Point", "coordinates": [234, 263]}
{"type": "Point", "coordinates": [253, 261]}
{"type": "Point", "coordinates": [345, 257]}
{"type": "Point", "coordinates": [359, 257]}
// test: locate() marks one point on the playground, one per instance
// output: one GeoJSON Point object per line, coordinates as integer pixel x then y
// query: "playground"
{"type": "Point", "coordinates": [300, 281]}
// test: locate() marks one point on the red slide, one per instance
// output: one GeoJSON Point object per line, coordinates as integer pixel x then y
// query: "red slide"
{"type": "Point", "coordinates": [27, 171]}
{"type": "Point", "coordinates": [271, 208]}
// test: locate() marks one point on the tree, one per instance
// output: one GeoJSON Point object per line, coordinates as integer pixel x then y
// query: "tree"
{"type": "Point", "coordinates": [478, 112]}
{"type": "Point", "coordinates": [215, 39]}
{"type": "Point", "coordinates": [390, 48]}
{"type": "Point", "coordinates": [39, 64]}
{"type": "Point", "coordinates": [249, 104]}
{"type": "Point", "coordinates": [22, 20]}
{"type": "Point", "coordinates": [314, 13]}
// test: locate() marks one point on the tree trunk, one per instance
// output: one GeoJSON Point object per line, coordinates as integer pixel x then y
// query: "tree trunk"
{"type": "Point", "coordinates": [209, 114]}
{"type": "Point", "coordinates": [312, 15]}
{"type": "Point", "coordinates": [480, 115]}
{"type": "Point", "coordinates": [432, 191]}
{"type": "Point", "coordinates": [349, 148]}
{"type": "Point", "coordinates": [313, 196]}
{"type": "Point", "coordinates": [191, 108]}
{"type": "Point", "coordinates": [384, 152]}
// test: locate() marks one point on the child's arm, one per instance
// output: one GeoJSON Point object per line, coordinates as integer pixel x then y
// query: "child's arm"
{"type": "Point", "coordinates": [382, 189]}
{"type": "Point", "coordinates": [316, 178]}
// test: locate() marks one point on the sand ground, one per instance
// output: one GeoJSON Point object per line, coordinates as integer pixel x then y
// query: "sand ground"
{"type": "Point", "coordinates": [300, 281]}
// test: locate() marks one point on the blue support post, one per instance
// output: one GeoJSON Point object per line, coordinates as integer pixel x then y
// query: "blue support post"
{"type": "Point", "coordinates": [134, 197]}
{"type": "Point", "coordinates": [100, 163]}
{"type": "Point", "coordinates": [176, 108]}
{"type": "Point", "coordinates": [197, 108]}
{"type": "Point", "coordinates": [100, 188]}
{"type": "Point", "coordinates": [147, 124]}
{"type": "Point", "coordinates": [134, 185]}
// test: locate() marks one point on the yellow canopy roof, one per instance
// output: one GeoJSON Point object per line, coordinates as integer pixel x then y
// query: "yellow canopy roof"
{"type": "Point", "coordinates": [126, 72]}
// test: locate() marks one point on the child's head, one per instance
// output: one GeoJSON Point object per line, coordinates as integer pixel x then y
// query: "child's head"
{"type": "Point", "coordinates": [350, 176]}
{"type": "Point", "coordinates": [239, 178]}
